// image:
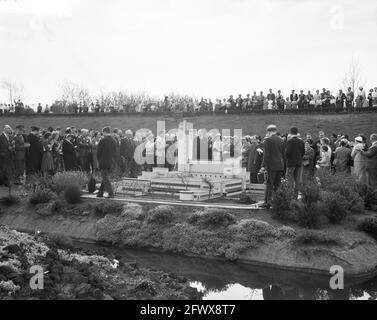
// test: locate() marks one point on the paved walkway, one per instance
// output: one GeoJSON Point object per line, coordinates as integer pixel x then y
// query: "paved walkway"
{"type": "Point", "coordinates": [180, 203]}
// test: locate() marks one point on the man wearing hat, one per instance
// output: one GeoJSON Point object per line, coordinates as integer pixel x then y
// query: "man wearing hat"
{"type": "Point", "coordinates": [6, 157]}
{"type": "Point", "coordinates": [35, 152]}
{"type": "Point", "coordinates": [21, 146]}
{"type": "Point", "coordinates": [371, 164]}
{"type": "Point", "coordinates": [106, 154]}
{"type": "Point", "coordinates": [273, 162]}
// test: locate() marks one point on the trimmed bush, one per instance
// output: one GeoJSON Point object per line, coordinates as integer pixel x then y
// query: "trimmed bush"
{"type": "Point", "coordinates": [347, 186]}
{"type": "Point", "coordinates": [36, 182]}
{"type": "Point", "coordinates": [368, 195]}
{"type": "Point", "coordinates": [72, 194]}
{"type": "Point", "coordinates": [63, 180]}
{"type": "Point", "coordinates": [133, 211]}
{"type": "Point", "coordinates": [41, 196]}
{"type": "Point", "coordinates": [287, 232]}
{"type": "Point", "coordinates": [307, 216]}
{"type": "Point", "coordinates": [281, 203]}
{"type": "Point", "coordinates": [9, 200]}
{"type": "Point", "coordinates": [161, 215]}
{"type": "Point", "coordinates": [108, 207]}
{"type": "Point", "coordinates": [212, 218]}
{"type": "Point", "coordinates": [369, 225]}
{"type": "Point", "coordinates": [247, 198]}
{"type": "Point", "coordinates": [335, 206]}
{"type": "Point", "coordinates": [310, 192]}
{"type": "Point", "coordinates": [109, 229]}
{"type": "Point", "coordinates": [317, 237]}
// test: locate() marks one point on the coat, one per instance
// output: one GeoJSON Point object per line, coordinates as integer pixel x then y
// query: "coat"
{"type": "Point", "coordinates": [273, 157]}
{"type": "Point", "coordinates": [254, 159]}
{"type": "Point", "coordinates": [6, 160]}
{"type": "Point", "coordinates": [371, 156]}
{"type": "Point", "coordinates": [127, 148]}
{"type": "Point", "coordinates": [106, 153]}
{"type": "Point", "coordinates": [5, 153]}
{"type": "Point", "coordinates": [35, 153]}
{"type": "Point", "coordinates": [20, 148]}
{"type": "Point", "coordinates": [294, 152]}
{"type": "Point", "coordinates": [69, 155]}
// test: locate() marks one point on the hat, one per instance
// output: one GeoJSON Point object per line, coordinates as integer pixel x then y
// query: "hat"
{"type": "Point", "coordinates": [20, 126]}
{"type": "Point", "coordinates": [34, 128]}
{"type": "Point", "coordinates": [106, 130]}
{"type": "Point", "coordinates": [272, 128]}
{"type": "Point", "coordinates": [359, 139]}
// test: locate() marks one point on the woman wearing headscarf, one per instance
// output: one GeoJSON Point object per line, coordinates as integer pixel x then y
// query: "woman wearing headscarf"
{"type": "Point", "coordinates": [359, 160]}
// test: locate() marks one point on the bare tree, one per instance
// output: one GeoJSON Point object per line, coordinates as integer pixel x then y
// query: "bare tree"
{"type": "Point", "coordinates": [74, 93]}
{"type": "Point", "coordinates": [353, 76]}
{"type": "Point", "coordinates": [13, 90]}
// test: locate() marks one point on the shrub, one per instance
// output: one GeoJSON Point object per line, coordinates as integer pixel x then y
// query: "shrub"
{"type": "Point", "coordinates": [63, 180]}
{"type": "Point", "coordinates": [36, 182]}
{"type": "Point", "coordinates": [108, 207]}
{"type": "Point", "coordinates": [307, 216]}
{"type": "Point", "coordinates": [247, 198]}
{"type": "Point", "coordinates": [347, 186]}
{"type": "Point", "coordinates": [317, 237]}
{"type": "Point", "coordinates": [61, 241]}
{"type": "Point", "coordinates": [212, 218]}
{"type": "Point", "coordinates": [335, 206]}
{"type": "Point", "coordinates": [9, 200]}
{"type": "Point", "coordinates": [369, 225]}
{"type": "Point", "coordinates": [109, 228]}
{"type": "Point", "coordinates": [72, 194]}
{"type": "Point", "coordinates": [41, 196]}
{"type": "Point", "coordinates": [287, 232]}
{"type": "Point", "coordinates": [134, 211]}
{"type": "Point", "coordinates": [368, 195]}
{"type": "Point", "coordinates": [161, 215]}
{"type": "Point", "coordinates": [310, 192]}
{"type": "Point", "coordinates": [281, 202]}
{"type": "Point", "coordinates": [257, 229]}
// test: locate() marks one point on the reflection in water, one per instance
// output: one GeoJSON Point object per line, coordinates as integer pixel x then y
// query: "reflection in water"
{"type": "Point", "coordinates": [224, 280]}
{"type": "Point", "coordinates": [230, 292]}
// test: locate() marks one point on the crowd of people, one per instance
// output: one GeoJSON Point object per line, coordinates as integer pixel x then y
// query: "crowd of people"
{"type": "Point", "coordinates": [52, 150]}
{"type": "Point", "coordinates": [297, 158]}
{"type": "Point", "coordinates": [347, 100]}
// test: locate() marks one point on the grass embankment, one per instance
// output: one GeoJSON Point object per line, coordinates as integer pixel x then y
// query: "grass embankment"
{"type": "Point", "coordinates": [78, 275]}
{"type": "Point", "coordinates": [351, 124]}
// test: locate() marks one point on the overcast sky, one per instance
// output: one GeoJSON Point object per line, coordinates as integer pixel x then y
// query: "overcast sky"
{"type": "Point", "coordinates": [202, 47]}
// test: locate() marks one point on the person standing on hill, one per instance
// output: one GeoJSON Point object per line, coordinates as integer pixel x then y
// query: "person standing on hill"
{"type": "Point", "coordinates": [273, 163]}
{"type": "Point", "coordinates": [6, 157]}
{"type": "Point", "coordinates": [34, 158]}
{"type": "Point", "coordinates": [21, 146]}
{"type": "Point", "coordinates": [294, 153]}
{"type": "Point", "coordinates": [127, 150]}
{"type": "Point", "coordinates": [371, 164]}
{"type": "Point", "coordinates": [69, 153]}
{"type": "Point", "coordinates": [106, 154]}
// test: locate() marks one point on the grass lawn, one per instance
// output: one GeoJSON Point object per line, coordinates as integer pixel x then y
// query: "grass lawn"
{"type": "Point", "coordinates": [351, 124]}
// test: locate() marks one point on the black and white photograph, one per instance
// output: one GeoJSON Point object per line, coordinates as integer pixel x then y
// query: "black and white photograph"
{"type": "Point", "coordinates": [186, 156]}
